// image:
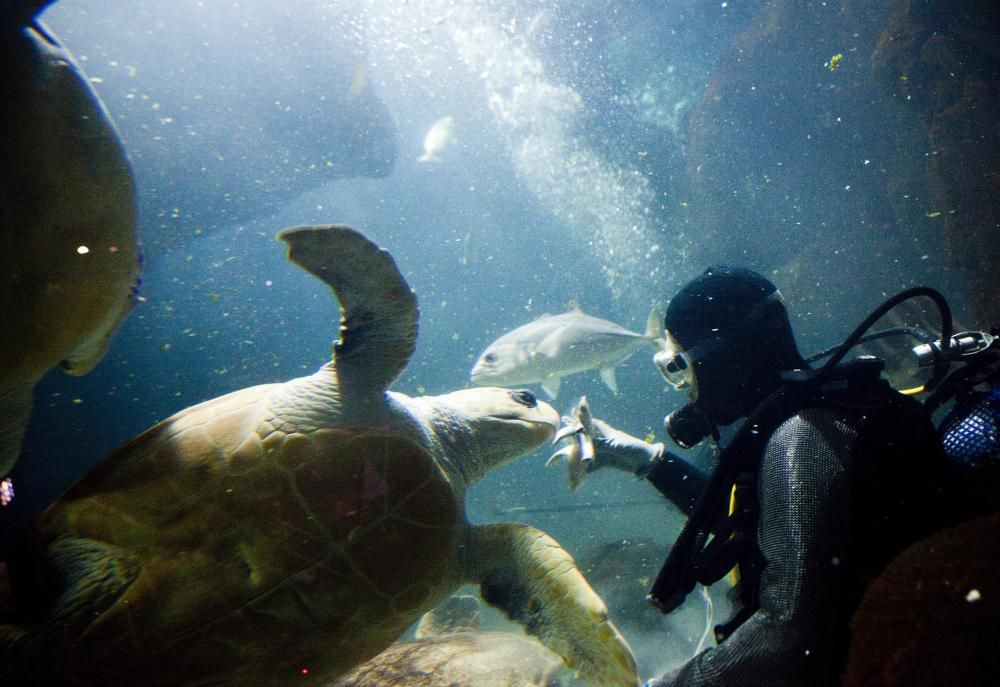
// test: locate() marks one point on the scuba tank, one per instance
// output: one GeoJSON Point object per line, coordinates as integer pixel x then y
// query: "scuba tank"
{"type": "Point", "coordinates": [965, 372]}
{"type": "Point", "coordinates": [970, 430]}
{"type": "Point", "coordinates": [969, 433]}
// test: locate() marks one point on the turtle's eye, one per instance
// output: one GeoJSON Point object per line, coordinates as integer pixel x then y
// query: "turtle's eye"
{"type": "Point", "coordinates": [525, 398]}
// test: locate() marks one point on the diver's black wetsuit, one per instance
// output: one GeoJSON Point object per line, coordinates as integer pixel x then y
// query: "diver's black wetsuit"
{"type": "Point", "coordinates": [822, 535]}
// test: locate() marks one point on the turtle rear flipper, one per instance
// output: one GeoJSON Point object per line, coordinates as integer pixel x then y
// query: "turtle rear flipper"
{"type": "Point", "coordinates": [530, 577]}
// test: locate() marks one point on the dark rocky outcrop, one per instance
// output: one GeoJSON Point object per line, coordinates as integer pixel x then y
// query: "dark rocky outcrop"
{"type": "Point", "coordinates": [942, 59]}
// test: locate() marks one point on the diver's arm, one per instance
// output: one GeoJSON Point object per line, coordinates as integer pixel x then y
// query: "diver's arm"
{"type": "Point", "coordinates": [803, 537]}
{"type": "Point", "coordinates": [674, 477]}
{"type": "Point", "coordinates": [677, 479]}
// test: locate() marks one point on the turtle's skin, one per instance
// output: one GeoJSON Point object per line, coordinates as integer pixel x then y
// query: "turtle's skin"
{"type": "Point", "coordinates": [69, 262]}
{"type": "Point", "coordinates": [297, 529]}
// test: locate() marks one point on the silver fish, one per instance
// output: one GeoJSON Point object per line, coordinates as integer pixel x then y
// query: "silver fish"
{"type": "Point", "coordinates": [577, 439]}
{"type": "Point", "coordinates": [554, 346]}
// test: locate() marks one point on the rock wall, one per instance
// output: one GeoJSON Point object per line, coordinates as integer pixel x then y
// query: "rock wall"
{"type": "Point", "coordinates": [847, 182]}
{"type": "Point", "coordinates": [942, 60]}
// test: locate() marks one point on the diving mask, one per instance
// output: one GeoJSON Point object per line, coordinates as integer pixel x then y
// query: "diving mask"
{"type": "Point", "coordinates": [676, 367]}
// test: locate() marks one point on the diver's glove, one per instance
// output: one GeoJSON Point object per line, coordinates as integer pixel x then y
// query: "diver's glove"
{"type": "Point", "coordinates": [590, 444]}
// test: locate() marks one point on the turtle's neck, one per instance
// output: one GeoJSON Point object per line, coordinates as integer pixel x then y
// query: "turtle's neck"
{"type": "Point", "coordinates": [460, 452]}
{"type": "Point", "coordinates": [457, 441]}
{"type": "Point", "coordinates": [307, 402]}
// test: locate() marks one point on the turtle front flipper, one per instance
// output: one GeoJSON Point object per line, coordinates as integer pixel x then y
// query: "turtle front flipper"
{"type": "Point", "coordinates": [378, 328]}
{"type": "Point", "coordinates": [530, 577]}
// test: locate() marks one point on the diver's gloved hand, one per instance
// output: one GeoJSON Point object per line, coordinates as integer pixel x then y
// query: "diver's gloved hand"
{"type": "Point", "coordinates": [589, 444]}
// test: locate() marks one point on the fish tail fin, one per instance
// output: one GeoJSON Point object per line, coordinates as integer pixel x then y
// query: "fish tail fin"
{"type": "Point", "coordinates": [654, 325]}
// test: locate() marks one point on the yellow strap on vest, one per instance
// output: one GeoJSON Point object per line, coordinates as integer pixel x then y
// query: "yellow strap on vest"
{"type": "Point", "coordinates": [734, 574]}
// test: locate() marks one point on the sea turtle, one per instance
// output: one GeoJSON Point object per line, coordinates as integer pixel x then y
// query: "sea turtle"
{"type": "Point", "coordinates": [70, 258]}
{"type": "Point", "coordinates": [449, 648]}
{"type": "Point", "coordinates": [298, 528]}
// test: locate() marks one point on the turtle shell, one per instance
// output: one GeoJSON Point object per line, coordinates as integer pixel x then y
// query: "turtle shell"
{"type": "Point", "coordinates": [463, 659]}
{"type": "Point", "coordinates": [334, 539]}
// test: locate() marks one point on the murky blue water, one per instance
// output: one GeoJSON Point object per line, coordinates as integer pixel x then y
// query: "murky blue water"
{"type": "Point", "coordinates": [579, 170]}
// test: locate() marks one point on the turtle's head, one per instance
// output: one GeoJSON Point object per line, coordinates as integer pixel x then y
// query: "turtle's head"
{"type": "Point", "coordinates": [490, 426]}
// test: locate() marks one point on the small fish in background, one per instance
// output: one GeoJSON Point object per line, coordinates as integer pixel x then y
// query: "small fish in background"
{"type": "Point", "coordinates": [438, 137]}
{"type": "Point", "coordinates": [359, 82]}
{"type": "Point", "coordinates": [555, 346]}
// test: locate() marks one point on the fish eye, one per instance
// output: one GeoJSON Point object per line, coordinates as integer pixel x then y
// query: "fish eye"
{"type": "Point", "coordinates": [490, 358]}
{"type": "Point", "coordinates": [525, 398]}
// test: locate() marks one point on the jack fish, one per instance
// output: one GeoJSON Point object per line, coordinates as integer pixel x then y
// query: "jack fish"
{"type": "Point", "coordinates": [554, 346]}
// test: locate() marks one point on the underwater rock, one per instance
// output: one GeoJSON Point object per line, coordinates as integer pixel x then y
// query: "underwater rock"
{"type": "Point", "coordinates": [931, 617]}
{"type": "Point", "coordinates": [788, 158]}
{"type": "Point", "coordinates": [940, 59]}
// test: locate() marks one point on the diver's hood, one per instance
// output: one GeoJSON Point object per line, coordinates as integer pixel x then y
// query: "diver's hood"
{"type": "Point", "coordinates": [734, 324]}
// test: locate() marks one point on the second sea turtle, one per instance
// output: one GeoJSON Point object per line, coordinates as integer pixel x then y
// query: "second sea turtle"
{"type": "Point", "coordinates": [449, 648]}
{"type": "Point", "coordinates": [69, 254]}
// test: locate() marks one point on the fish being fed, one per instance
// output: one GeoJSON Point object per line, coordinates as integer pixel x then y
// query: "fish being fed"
{"type": "Point", "coordinates": [579, 453]}
{"type": "Point", "coordinates": [555, 346]}
{"type": "Point", "coordinates": [438, 137]}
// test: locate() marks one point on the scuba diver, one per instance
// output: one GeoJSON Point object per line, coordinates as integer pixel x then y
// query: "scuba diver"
{"type": "Point", "coordinates": [831, 474]}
